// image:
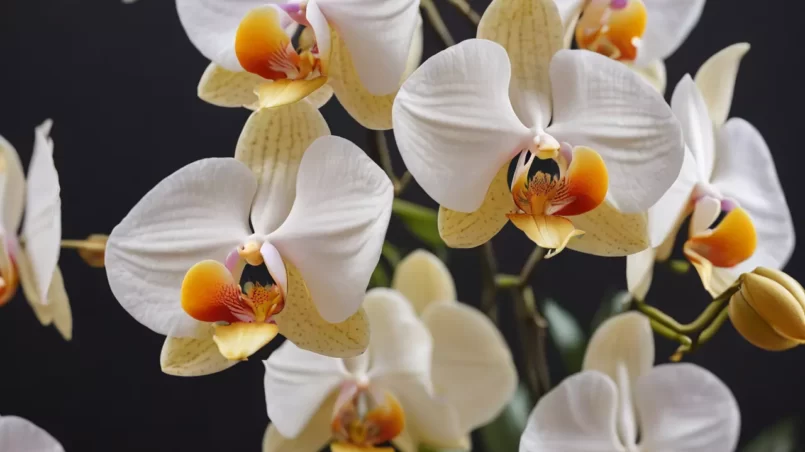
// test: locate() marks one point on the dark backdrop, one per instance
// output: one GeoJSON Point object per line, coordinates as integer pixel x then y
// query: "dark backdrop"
{"type": "Point", "coordinates": [120, 83]}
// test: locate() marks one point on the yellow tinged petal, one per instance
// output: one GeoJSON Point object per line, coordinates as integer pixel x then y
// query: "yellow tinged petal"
{"type": "Point", "coordinates": [372, 112]}
{"type": "Point", "coordinates": [610, 232]}
{"type": "Point", "coordinates": [716, 81]}
{"type": "Point", "coordinates": [468, 230]}
{"type": "Point", "coordinates": [321, 96]}
{"type": "Point", "coordinates": [284, 92]}
{"type": "Point", "coordinates": [547, 231]}
{"type": "Point", "coordinates": [238, 341]}
{"type": "Point", "coordinates": [754, 328]}
{"type": "Point", "coordinates": [56, 309]}
{"type": "Point", "coordinates": [225, 88]}
{"type": "Point", "coordinates": [191, 357]}
{"type": "Point", "coordinates": [423, 279]}
{"type": "Point", "coordinates": [531, 32]}
{"type": "Point", "coordinates": [301, 323]}
{"type": "Point", "coordinates": [314, 437]}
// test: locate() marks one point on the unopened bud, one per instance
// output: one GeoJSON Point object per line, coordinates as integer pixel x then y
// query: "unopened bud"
{"type": "Point", "coordinates": [769, 310]}
{"type": "Point", "coordinates": [93, 252]}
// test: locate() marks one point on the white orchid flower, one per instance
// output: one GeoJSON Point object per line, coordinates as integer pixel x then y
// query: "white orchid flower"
{"type": "Point", "coordinates": [641, 33]}
{"type": "Point", "coordinates": [432, 378]}
{"type": "Point", "coordinates": [21, 435]}
{"type": "Point", "coordinates": [728, 169]}
{"type": "Point", "coordinates": [319, 210]}
{"type": "Point", "coordinates": [468, 111]}
{"type": "Point", "coordinates": [249, 43]}
{"type": "Point", "coordinates": [31, 259]}
{"type": "Point", "coordinates": [619, 398]}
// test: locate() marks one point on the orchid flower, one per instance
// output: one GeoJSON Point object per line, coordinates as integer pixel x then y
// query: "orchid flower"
{"type": "Point", "coordinates": [31, 260]}
{"type": "Point", "coordinates": [468, 111]}
{"type": "Point", "coordinates": [728, 169]}
{"type": "Point", "coordinates": [21, 435]}
{"type": "Point", "coordinates": [319, 209]}
{"type": "Point", "coordinates": [425, 380]}
{"type": "Point", "coordinates": [619, 397]}
{"type": "Point", "coordinates": [256, 65]}
{"type": "Point", "coordinates": [641, 33]}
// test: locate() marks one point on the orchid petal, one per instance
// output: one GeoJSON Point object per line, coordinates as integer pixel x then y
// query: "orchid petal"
{"type": "Point", "coordinates": [225, 88]}
{"type": "Point", "coordinates": [472, 365]}
{"type": "Point", "coordinates": [745, 172]}
{"type": "Point", "coordinates": [56, 309]}
{"type": "Point", "coordinates": [669, 24]}
{"type": "Point", "coordinates": [705, 213]}
{"type": "Point", "coordinates": [322, 33]}
{"type": "Point", "coordinates": [531, 32]}
{"type": "Point", "coordinates": [271, 145]}
{"type": "Point", "coordinates": [401, 343]}
{"type": "Point", "coordinates": [300, 322]}
{"type": "Point", "coordinates": [569, 11]}
{"type": "Point", "coordinates": [468, 230]}
{"type": "Point", "coordinates": [336, 227]}
{"type": "Point", "coordinates": [191, 357]}
{"type": "Point", "coordinates": [240, 340]}
{"type": "Point", "coordinates": [576, 416]}
{"type": "Point", "coordinates": [12, 188]}
{"type": "Point", "coordinates": [716, 81]}
{"type": "Point", "coordinates": [454, 123]}
{"type": "Point", "coordinates": [321, 96]}
{"type": "Point", "coordinates": [374, 29]}
{"type": "Point", "coordinates": [665, 216]}
{"type": "Point", "coordinates": [199, 212]}
{"type": "Point", "coordinates": [405, 441]}
{"type": "Point", "coordinates": [423, 279]}
{"type": "Point", "coordinates": [609, 232]}
{"type": "Point", "coordinates": [417, 48]}
{"type": "Point", "coordinates": [297, 382]}
{"type": "Point", "coordinates": [654, 73]}
{"type": "Point", "coordinates": [371, 111]}
{"type": "Point", "coordinates": [685, 408]}
{"type": "Point", "coordinates": [691, 111]}
{"type": "Point", "coordinates": [550, 232]}
{"type": "Point", "coordinates": [41, 228]}
{"type": "Point", "coordinates": [18, 434]}
{"type": "Point", "coordinates": [287, 92]}
{"type": "Point", "coordinates": [640, 272]}
{"type": "Point", "coordinates": [624, 119]}
{"type": "Point", "coordinates": [315, 436]}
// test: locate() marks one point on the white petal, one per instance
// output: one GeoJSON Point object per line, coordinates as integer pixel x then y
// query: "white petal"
{"type": "Point", "coordinates": [192, 357]}
{"type": "Point", "coordinates": [691, 111]}
{"type": "Point", "coordinates": [271, 145]}
{"type": "Point", "coordinates": [454, 123]}
{"type": "Point", "coordinates": [296, 383]}
{"type": "Point", "coordinates": [669, 24]}
{"type": "Point", "coordinates": [600, 103]}
{"type": "Point", "coordinates": [12, 188]}
{"type": "Point", "coordinates": [400, 343]}
{"type": "Point", "coordinates": [336, 227]}
{"type": "Point", "coordinates": [199, 212]}
{"type": "Point", "coordinates": [745, 172]}
{"type": "Point", "coordinates": [375, 29]}
{"type": "Point", "coordinates": [685, 408]}
{"type": "Point", "coordinates": [664, 216]}
{"type": "Point", "coordinates": [640, 272]}
{"type": "Point", "coordinates": [417, 47]}
{"type": "Point", "coordinates": [716, 80]}
{"type": "Point", "coordinates": [531, 32]}
{"type": "Point", "coordinates": [609, 232]}
{"type": "Point", "coordinates": [472, 366]}
{"type": "Point", "coordinates": [314, 437]}
{"type": "Point", "coordinates": [211, 26]}
{"type": "Point", "coordinates": [705, 213]}
{"type": "Point", "coordinates": [569, 10]}
{"type": "Point", "coordinates": [654, 73]}
{"type": "Point", "coordinates": [576, 416]}
{"type": "Point", "coordinates": [423, 279]}
{"type": "Point", "coordinates": [18, 434]}
{"type": "Point", "coordinates": [42, 226]}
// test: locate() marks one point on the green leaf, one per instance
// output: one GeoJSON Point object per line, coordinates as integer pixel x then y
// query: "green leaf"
{"type": "Point", "coordinates": [503, 434]}
{"type": "Point", "coordinates": [380, 278]}
{"type": "Point", "coordinates": [780, 437]}
{"type": "Point", "coordinates": [612, 306]}
{"type": "Point", "coordinates": [420, 221]}
{"type": "Point", "coordinates": [392, 254]}
{"type": "Point", "coordinates": [566, 334]}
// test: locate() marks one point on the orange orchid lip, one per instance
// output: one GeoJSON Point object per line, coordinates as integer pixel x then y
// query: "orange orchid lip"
{"type": "Point", "coordinates": [612, 28]}
{"type": "Point", "coordinates": [362, 421]}
{"type": "Point", "coordinates": [733, 241]}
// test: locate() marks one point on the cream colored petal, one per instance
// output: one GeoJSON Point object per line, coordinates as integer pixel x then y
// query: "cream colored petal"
{"type": "Point", "coordinates": [570, 26]}
{"type": "Point", "coordinates": [608, 232]}
{"type": "Point", "coordinates": [191, 357]}
{"type": "Point", "coordinates": [271, 145]}
{"type": "Point", "coordinates": [372, 112]}
{"type": "Point", "coordinates": [531, 32]}
{"type": "Point", "coordinates": [417, 46]}
{"type": "Point", "coordinates": [239, 340]}
{"type": "Point", "coordinates": [423, 279]}
{"type": "Point", "coordinates": [406, 442]}
{"type": "Point", "coordinates": [321, 96]}
{"type": "Point", "coordinates": [224, 88]}
{"type": "Point", "coordinates": [313, 438]}
{"type": "Point", "coordinates": [654, 73]}
{"type": "Point", "coordinates": [57, 312]}
{"type": "Point", "coordinates": [287, 92]}
{"type": "Point", "coordinates": [301, 323]}
{"type": "Point", "coordinates": [468, 230]}
{"type": "Point", "coordinates": [639, 272]}
{"type": "Point", "coordinates": [12, 188]}
{"type": "Point", "coordinates": [716, 81]}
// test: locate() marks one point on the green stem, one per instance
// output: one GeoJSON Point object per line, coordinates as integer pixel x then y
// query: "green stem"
{"type": "Point", "coordinates": [541, 328]}
{"type": "Point", "coordinates": [534, 258]}
{"type": "Point", "coordinates": [528, 359]}
{"type": "Point", "coordinates": [489, 268]}
{"type": "Point", "coordinates": [435, 19]}
{"type": "Point", "coordinates": [466, 9]}
{"type": "Point", "coordinates": [711, 330]}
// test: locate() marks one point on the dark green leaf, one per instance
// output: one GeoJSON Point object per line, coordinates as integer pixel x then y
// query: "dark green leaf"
{"type": "Point", "coordinates": [780, 437]}
{"type": "Point", "coordinates": [566, 334]}
{"type": "Point", "coordinates": [380, 277]}
{"type": "Point", "coordinates": [420, 221]}
{"type": "Point", "coordinates": [392, 254]}
{"type": "Point", "coordinates": [503, 434]}
{"type": "Point", "coordinates": [614, 305]}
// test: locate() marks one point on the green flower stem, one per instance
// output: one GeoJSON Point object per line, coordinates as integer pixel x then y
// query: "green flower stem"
{"type": "Point", "coordinates": [711, 330]}
{"type": "Point", "coordinates": [435, 19]}
{"type": "Point", "coordinates": [466, 9]}
{"type": "Point", "coordinates": [541, 329]}
{"type": "Point", "coordinates": [503, 281]}
{"type": "Point", "coordinates": [411, 210]}
{"type": "Point", "coordinates": [489, 267]}
{"type": "Point", "coordinates": [524, 337]}
{"type": "Point", "coordinates": [670, 334]}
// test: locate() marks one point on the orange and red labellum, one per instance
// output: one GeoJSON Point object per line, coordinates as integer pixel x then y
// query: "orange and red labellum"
{"type": "Point", "coordinates": [366, 419]}
{"type": "Point", "coordinates": [612, 28]}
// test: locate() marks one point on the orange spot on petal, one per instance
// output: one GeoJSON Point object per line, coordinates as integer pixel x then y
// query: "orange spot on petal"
{"type": "Point", "coordinates": [587, 182]}
{"type": "Point", "coordinates": [263, 47]}
{"type": "Point", "coordinates": [733, 241]}
{"type": "Point", "coordinates": [612, 32]}
{"type": "Point", "coordinates": [210, 293]}
{"type": "Point", "coordinates": [547, 231]}
{"type": "Point", "coordinates": [388, 418]}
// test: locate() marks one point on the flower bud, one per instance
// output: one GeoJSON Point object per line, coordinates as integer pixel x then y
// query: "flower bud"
{"type": "Point", "coordinates": [769, 310]}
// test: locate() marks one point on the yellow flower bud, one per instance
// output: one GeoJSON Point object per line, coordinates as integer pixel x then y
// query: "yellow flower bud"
{"type": "Point", "coordinates": [769, 310]}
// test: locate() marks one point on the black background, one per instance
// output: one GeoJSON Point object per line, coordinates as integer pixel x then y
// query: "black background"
{"type": "Point", "coordinates": [120, 83]}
